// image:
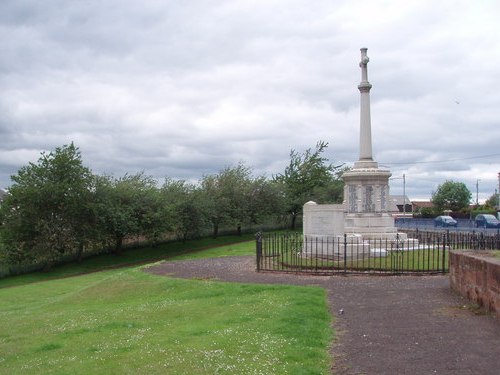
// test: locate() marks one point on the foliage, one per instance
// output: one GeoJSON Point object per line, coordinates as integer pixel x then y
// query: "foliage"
{"type": "Point", "coordinates": [58, 211]}
{"type": "Point", "coordinates": [263, 200]}
{"type": "Point", "coordinates": [47, 212]}
{"type": "Point", "coordinates": [234, 197]}
{"type": "Point", "coordinates": [492, 202]}
{"type": "Point", "coordinates": [307, 177]}
{"type": "Point", "coordinates": [482, 210]}
{"type": "Point", "coordinates": [451, 196]}
{"type": "Point", "coordinates": [187, 206]}
{"type": "Point", "coordinates": [220, 193]}
{"type": "Point", "coordinates": [426, 212]}
{"type": "Point", "coordinates": [127, 321]}
{"type": "Point", "coordinates": [129, 206]}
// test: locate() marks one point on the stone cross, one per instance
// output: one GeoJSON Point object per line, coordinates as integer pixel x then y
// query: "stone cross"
{"type": "Point", "coordinates": [365, 132]}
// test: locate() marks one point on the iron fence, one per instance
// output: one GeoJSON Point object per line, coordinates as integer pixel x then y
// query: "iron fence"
{"type": "Point", "coordinates": [474, 240]}
{"type": "Point", "coordinates": [420, 253]}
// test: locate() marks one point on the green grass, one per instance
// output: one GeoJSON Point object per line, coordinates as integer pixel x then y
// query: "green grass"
{"type": "Point", "coordinates": [428, 260]}
{"type": "Point", "coordinates": [235, 249]}
{"type": "Point", "coordinates": [415, 260]}
{"type": "Point", "coordinates": [128, 321]}
{"type": "Point", "coordinates": [177, 250]}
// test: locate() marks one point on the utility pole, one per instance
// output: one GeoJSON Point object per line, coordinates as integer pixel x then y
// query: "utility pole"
{"type": "Point", "coordinates": [477, 192]}
{"type": "Point", "coordinates": [404, 196]}
{"type": "Point", "coordinates": [498, 195]}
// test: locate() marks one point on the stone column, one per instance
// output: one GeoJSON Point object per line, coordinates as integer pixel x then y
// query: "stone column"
{"type": "Point", "coordinates": [365, 129]}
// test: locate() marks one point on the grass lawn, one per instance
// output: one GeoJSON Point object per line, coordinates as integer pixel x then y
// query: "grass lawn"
{"type": "Point", "coordinates": [202, 248]}
{"type": "Point", "coordinates": [428, 260]}
{"type": "Point", "coordinates": [127, 321]}
{"type": "Point", "coordinates": [241, 248]}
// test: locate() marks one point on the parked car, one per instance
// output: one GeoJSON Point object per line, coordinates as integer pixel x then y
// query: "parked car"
{"type": "Point", "coordinates": [486, 221]}
{"type": "Point", "coordinates": [445, 221]}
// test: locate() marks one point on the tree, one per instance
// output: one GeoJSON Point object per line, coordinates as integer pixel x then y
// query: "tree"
{"type": "Point", "coordinates": [263, 200]}
{"type": "Point", "coordinates": [492, 202]}
{"type": "Point", "coordinates": [234, 197]}
{"type": "Point", "coordinates": [185, 203]}
{"type": "Point", "coordinates": [451, 196]}
{"type": "Point", "coordinates": [227, 195]}
{"type": "Point", "coordinates": [309, 176]}
{"type": "Point", "coordinates": [129, 206]}
{"type": "Point", "coordinates": [48, 211]}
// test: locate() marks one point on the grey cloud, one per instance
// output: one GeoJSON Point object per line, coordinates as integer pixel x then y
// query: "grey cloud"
{"type": "Point", "coordinates": [185, 88]}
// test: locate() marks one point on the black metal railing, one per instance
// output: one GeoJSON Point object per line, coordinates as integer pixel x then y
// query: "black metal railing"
{"type": "Point", "coordinates": [411, 253]}
{"type": "Point", "coordinates": [474, 240]}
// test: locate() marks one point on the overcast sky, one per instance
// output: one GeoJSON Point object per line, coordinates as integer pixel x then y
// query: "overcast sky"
{"type": "Point", "coordinates": [185, 88]}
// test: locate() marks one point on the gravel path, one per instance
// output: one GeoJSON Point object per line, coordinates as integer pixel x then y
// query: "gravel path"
{"type": "Point", "coordinates": [384, 324]}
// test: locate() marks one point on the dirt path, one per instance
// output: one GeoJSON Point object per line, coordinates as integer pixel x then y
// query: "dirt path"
{"type": "Point", "coordinates": [384, 324]}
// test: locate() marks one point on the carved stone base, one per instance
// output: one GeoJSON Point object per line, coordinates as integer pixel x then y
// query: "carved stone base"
{"type": "Point", "coordinates": [366, 190]}
{"type": "Point", "coordinates": [372, 226]}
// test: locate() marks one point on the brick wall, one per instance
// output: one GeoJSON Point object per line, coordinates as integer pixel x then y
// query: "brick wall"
{"type": "Point", "coordinates": [477, 277]}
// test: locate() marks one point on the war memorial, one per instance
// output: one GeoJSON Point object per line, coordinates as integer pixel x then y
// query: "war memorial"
{"type": "Point", "coordinates": [363, 218]}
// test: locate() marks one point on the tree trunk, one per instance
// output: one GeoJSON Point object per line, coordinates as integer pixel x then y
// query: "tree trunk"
{"type": "Point", "coordinates": [216, 230]}
{"type": "Point", "coordinates": [47, 266]}
{"type": "Point", "coordinates": [294, 218]}
{"type": "Point", "coordinates": [79, 254]}
{"type": "Point", "coordinates": [118, 245]}
{"type": "Point", "coordinates": [238, 230]}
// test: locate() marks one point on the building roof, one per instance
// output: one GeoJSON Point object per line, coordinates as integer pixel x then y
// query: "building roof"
{"type": "Point", "coordinates": [422, 204]}
{"type": "Point", "coordinates": [399, 199]}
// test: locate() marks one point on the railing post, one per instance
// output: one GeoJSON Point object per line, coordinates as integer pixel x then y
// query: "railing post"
{"type": "Point", "coordinates": [444, 253]}
{"type": "Point", "coordinates": [400, 255]}
{"type": "Point", "coordinates": [345, 252]}
{"type": "Point", "coordinates": [258, 248]}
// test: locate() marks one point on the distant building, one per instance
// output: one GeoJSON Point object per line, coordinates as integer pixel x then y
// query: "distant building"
{"type": "Point", "coordinates": [401, 204]}
{"type": "Point", "coordinates": [421, 204]}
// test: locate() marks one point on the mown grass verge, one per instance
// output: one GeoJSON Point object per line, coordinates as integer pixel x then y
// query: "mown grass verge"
{"type": "Point", "coordinates": [129, 321]}
{"type": "Point", "coordinates": [426, 260]}
{"type": "Point", "coordinates": [207, 247]}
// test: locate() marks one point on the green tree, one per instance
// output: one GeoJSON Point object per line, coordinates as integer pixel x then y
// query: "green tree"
{"type": "Point", "coordinates": [234, 197]}
{"type": "Point", "coordinates": [130, 206]}
{"type": "Point", "coordinates": [47, 213]}
{"type": "Point", "coordinates": [187, 207]}
{"type": "Point", "coordinates": [263, 200]}
{"type": "Point", "coordinates": [309, 176]}
{"type": "Point", "coordinates": [451, 195]}
{"type": "Point", "coordinates": [492, 202]}
{"type": "Point", "coordinates": [226, 195]}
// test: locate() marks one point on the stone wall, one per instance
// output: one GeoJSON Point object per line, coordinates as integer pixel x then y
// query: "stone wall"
{"type": "Point", "coordinates": [476, 276]}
